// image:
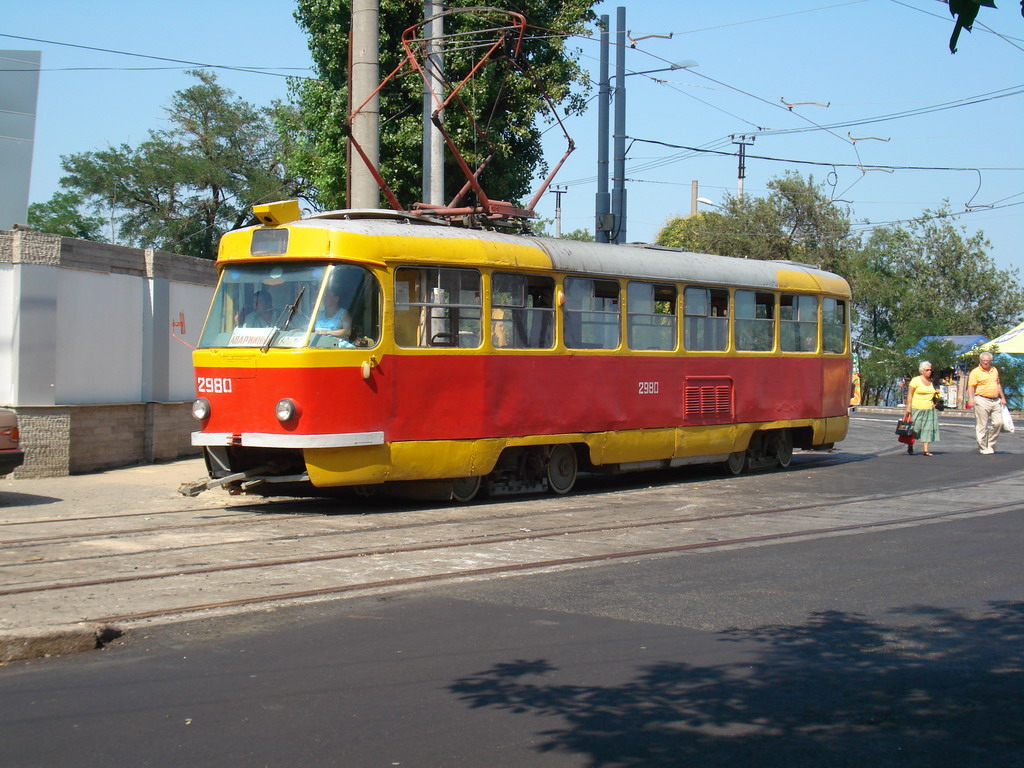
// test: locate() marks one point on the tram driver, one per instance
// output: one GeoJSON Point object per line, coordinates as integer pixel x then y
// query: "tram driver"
{"type": "Point", "coordinates": [261, 313]}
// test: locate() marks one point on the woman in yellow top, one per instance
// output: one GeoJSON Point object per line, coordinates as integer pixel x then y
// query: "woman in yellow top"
{"type": "Point", "coordinates": [921, 407]}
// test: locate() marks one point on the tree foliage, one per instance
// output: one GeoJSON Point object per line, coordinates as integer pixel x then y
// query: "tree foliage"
{"type": "Point", "coordinates": [62, 215]}
{"type": "Point", "coordinates": [795, 221]}
{"type": "Point", "coordinates": [186, 185]}
{"type": "Point", "coordinates": [505, 104]}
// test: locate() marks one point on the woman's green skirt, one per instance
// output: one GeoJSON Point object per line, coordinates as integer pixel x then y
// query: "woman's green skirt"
{"type": "Point", "coordinates": [926, 424]}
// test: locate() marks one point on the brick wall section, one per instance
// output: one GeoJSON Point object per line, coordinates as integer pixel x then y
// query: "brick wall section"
{"type": "Point", "coordinates": [169, 431]}
{"type": "Point", "coordinates": [104, 436]}
{"type": "Point", "coordinates": [23, 246]}
{"type": "Point", "coordinates": [27, 247]}
{"type": "Point", "coordinates": [180, 269]}
{"type": "Point", "coordinates": [46, 441]}
{"type": "Point", "coordinates": [76, 439]}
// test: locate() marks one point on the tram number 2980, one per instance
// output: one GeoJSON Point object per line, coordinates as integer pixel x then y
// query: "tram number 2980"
{"type": "Point", "coordinates": [647, 387]}
{"type": "Point", "coordinates": [207, 384]}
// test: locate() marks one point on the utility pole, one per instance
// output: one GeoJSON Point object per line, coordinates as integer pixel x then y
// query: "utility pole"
{"type": "Point", "coordinates": [619, 138]}
{"type": "Point", "coordinates": [433, 142]}
{"type": "Point", "coordinates": [364, 77]}
{"type": "Point", "coordinates": [693, 197]}
{"type": "Point", "coordinates": [558, 192]}
{"type": "Point", "coordinates": [743, 142]}
{"type": "Point", "coordinates": [602, 203]}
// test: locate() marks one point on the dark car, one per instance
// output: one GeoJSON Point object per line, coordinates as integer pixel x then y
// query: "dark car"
{"type": "Point", "coordinates": [11, 455]}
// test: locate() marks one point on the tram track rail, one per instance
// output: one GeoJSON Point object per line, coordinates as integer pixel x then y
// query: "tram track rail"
{"type": "Point", "coordinates": [392, 583]}
{"type": "Point", "coordinates": [275, 516]}
{"type": "Point", "coordinates": [566, 530]}
{"type": "Point", "coordinates": [526, 535]}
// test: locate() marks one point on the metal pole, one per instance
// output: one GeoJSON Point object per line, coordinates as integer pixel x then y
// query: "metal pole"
{"type": "Point", "coordinates": [602, 202]}
{"type": "Point", "coordinates": [619, 139]}
{"type": "Point", "coordinates": [364, 75]}
{"type": "Point", "coordinates": [558, 192]}
{"type": "Point", "coordinates": [743, 142]}
{"type": "Point", "coordinates": [433, 142]}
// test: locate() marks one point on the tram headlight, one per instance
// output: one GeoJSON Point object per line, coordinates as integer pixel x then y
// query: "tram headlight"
{"type": "Point", "coordinates": [201, 409]}
{"type": "Point", "coordinates": [286, 410]}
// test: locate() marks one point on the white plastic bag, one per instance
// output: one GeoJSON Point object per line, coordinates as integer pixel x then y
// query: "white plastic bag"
{"type": "Point", "coordinates": [1007, 420]}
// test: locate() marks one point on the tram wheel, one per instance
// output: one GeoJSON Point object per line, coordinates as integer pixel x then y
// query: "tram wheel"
{"type": "Point", "coordinates": [465, 489]}
{"type": "Point", "coordinates": [562, 469]}
{"type": "Point", "coordinates": [736, 463]}
{"type": "Point", "coordinates": [784, 448]}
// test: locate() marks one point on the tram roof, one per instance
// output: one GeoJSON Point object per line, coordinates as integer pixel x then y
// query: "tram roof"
{"type": "Point", "coordinates": [641, 261]}
{"type": "Point", "coordinates": [651, 262]}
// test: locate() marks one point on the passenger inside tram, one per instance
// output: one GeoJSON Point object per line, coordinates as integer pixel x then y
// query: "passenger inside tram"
{"type": "Point", "coordinates": [334, 320]}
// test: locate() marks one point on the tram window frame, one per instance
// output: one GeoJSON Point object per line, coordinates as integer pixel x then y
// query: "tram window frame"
{"type": "Point", "coordinates": [592, 314]}
{"type": "Point", "coordinates": [425, 315]}
{"type": "Point", "coordinates": [798, 322]}
{"type": "Point", "coordinates": [706, 319]}
{"type": "Point", "coordinates": [834, 324]}
{"type": "Point", "coordinates": [522, 311]}
{"type": "Point", "coordinates": [754, 324]}
{"type": "Point", "coordinates": [651, 320]}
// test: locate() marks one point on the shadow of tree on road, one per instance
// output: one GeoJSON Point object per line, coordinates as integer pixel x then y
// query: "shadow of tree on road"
{"type": "Point", "coordinates": [939, 689]}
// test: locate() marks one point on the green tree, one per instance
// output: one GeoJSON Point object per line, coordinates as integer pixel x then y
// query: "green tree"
{"type": "Point", "coordinates": [186, 185]}
{"type": "Point", "coordinates": [504, 104]}
{"type": "Point", "coordinates": [62, 215]}
{"type": "Point", "coordinates": [795, 221]}
{"type": "Point", "coordinates": [926, 278]}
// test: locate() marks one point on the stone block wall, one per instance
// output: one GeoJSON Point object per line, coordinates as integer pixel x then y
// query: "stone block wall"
{"type": "Point", "coordinates": [77, 439]}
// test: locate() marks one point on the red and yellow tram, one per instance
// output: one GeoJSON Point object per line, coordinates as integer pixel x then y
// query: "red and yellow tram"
{"type": "Point", "coordinates": [467, 359]}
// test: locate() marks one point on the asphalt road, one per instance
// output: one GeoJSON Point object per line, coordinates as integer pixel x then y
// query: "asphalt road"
{"type": "Point", "coordinates": [892, 645]}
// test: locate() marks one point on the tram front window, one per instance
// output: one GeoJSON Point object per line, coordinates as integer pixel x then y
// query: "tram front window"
{"type": "Point", "coordinates": [275, 305]}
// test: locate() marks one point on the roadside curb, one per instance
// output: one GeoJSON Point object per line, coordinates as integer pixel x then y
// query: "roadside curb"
{"type": "Point", "coordinates": [35, 642]}
{"type": "Point", "coordinates": [955, 413]}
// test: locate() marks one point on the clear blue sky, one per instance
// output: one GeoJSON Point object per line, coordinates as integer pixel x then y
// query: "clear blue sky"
{"type": "Point", "coordinates": [868, 60]}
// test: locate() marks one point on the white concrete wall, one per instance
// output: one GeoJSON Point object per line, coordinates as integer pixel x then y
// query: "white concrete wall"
{"type": "Point", "coordinates": [191, 302]}
{"type": "Point", "coordinates": [83, 323]}
{"type": "Point", "coordinates": [99, 338]}
{"type": "Point", "coordinates": [7, 319]}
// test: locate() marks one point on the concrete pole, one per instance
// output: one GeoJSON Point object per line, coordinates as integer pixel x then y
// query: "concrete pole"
{"type": "Point", "coordinates": [558, 191]}
{"type": "Point", "coordinates": [619, 138]}
{"type": "Point", "coordinates": [433, 142]}
{"type": "Point", "coordinates": [364, 77]}
{"type": "Point", "coordinates": [602, 201]}
{"type": "Point", "coordinates": [693, 197]}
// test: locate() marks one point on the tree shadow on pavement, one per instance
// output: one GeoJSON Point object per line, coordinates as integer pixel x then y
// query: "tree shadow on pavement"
{"type": "Point", "coordinates": [940, 689]}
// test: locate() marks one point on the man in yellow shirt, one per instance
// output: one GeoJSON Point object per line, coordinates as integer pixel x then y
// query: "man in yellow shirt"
{"type": "Point", "coordinates": [985, 395]}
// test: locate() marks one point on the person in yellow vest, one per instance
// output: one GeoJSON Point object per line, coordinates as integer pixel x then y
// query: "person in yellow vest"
{"type": "Point", "coordinates": [921, 408]}
{"type": "Point", "coordinates": [985, 395]}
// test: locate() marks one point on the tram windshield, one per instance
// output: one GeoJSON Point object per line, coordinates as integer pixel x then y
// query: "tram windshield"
{"type": "Point", "coordinates": [294, 305]}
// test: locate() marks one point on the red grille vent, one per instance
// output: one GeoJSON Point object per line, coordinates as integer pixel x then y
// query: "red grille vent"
{"type": "Point", "coordinates": [708, 400]}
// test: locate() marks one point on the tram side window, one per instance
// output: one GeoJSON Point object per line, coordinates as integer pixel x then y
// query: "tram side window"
{"type": "Point", "coordinates": [706, 319]}
{"type": "Point", "coordinates": [798, 323]}
{"type": "Point", "coordinates": [833, 325]}
{"type": "Point", "coordinates": [522, 311]}
{"type": "Point", "coordinates": [436, 307]}
{"type": "Point", "coordinates": [651, 315]}
{"type": "Point", "coordinates": [591, 317]}
{"type": "Point", "coordinates": [755, 321]}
